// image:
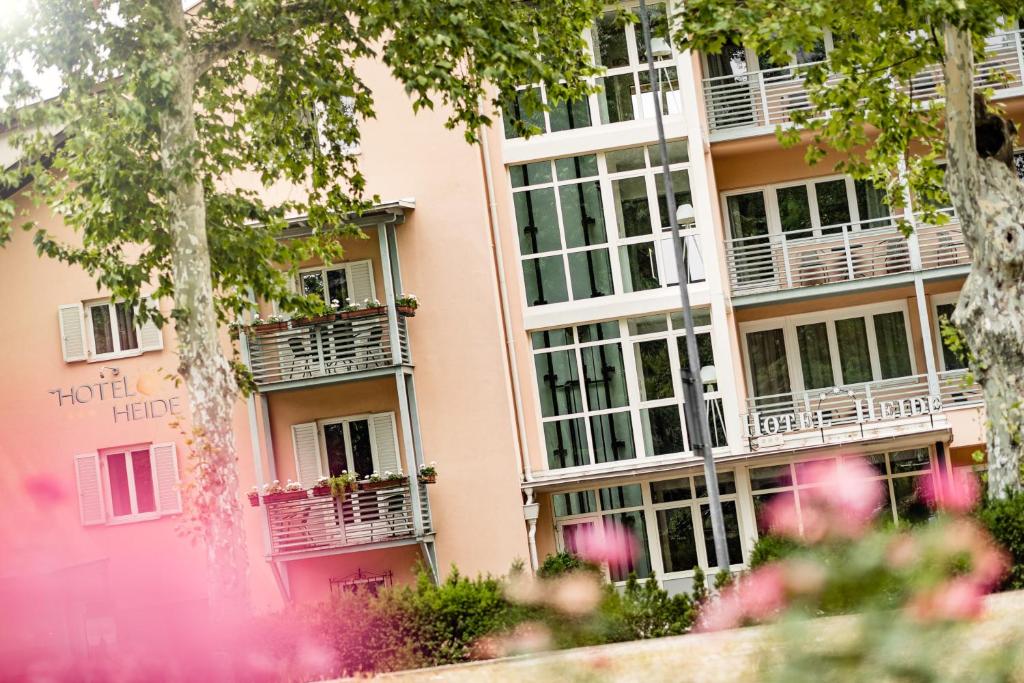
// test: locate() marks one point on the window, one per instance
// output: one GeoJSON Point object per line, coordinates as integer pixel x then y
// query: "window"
{"type": "Point", "coordinates": [112, 328]}
{"type": "Point", "coordinates": [130, 482]}
{"type": "Point", "coordinates": [610, 391]}
{"type": "Point", "coordinates": [359, 444]}
{"type": "Point", "coordinates": [899, 473]}
{"type": "Point", "coordinates": [677, 511]}
{"type": "Point", "coordinates": [523, 111]}
{"type": "Point", "coordinates": [823, 350]}
{"type": "Point", "coordinates": [944, 306]}
{"type": "Point", "coordinates": [127, 483]}
{"type": "Point", "coordinates": [340, 285]}
{"type": "Point", "coordinates": [570, 248]}
{"type": "Point", "coordinates": [348, 447]}
{"type": "Point", "coordinates": [626, 92]}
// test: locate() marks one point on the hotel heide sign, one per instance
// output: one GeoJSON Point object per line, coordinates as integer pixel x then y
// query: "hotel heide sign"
{"type": "Point", "coordinates": [126, 404]}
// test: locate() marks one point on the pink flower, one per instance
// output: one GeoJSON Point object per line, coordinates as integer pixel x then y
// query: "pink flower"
{"type": "Point", "coordinates": [763, 592]}
{"type": "Point", "coordinates": [959, 599]}
{"type": "Point", "coordinates": [44, 489]}
{"type": "Point", "coordinates": [956, 493]}
{"type": "Point", "coordinates": [612, 543]}
{"type": "Point", "coordinates": [721, 613]}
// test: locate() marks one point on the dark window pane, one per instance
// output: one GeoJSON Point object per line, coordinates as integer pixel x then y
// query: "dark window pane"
{"type": "Point", "coordinates": [680, 188]}
{"type": "Point", "coordinates": [337, 287]}
{"type": "Point", "coordinates": [120, 495]}
{"type": "Point", "coordinates": [617, 98]}
{"type": "Point", "coordinates": [770, 477]}
{"type": "Point", "coordinates": [726, 484]}
{"type": "Point", "coordinates": [794, 209]}
{"type": "Point", "coordinates": [670, 490]}
{"type": "Point", "coordinates": [658, 19]}
{"type": "Point", "coordinates": [833, 204]}
{"type": "Point", "coordinates": [571, 168]}
{"type": "Point", "coordinates": [590, 273]}
{"type": "Point", "coordinates": [598, 331]}
{"type": "Point", "coordinates": [102, 331]}
{"type": "Point", "coordinates": [678, 153]}
{"type": "Point", "coordinates": [558, 383]}
{"type": "Point", "coordinates": [633, 213]}
{"type": "Point", "coordinates": [639, 267]}
{"type": "Point", "coordinates": [313, 284]}
{"type": "Point", "coordinates": [910, 505]}
{"type": "Point", "coordinates": [950, 359]}
{"type": "Point", "coordinates": [126, 327]}
{"type": "Point", "coordinates": [776, 502]}
{"type": "Point", "coordinates": [891, 337]}
{"type": "Point", "coordinates": [870, 202]}
{"type": "Point", "coordinates": [537, 221]}
{"type": "Point", "coordinates": [145, 496]}
{"type": "Point", "coordinates": [629, 159]}
{"type": "Point", "coordinates": [633, 524]}
{"type": "Point", "coordinates": [914, 460]}
{"type": "Point", "coordinates": [768, 366]}
{"type": "Point", "coordinates": [582, 214]}
{"type": "Point", "coordinates": [574, 503]}
{"type": "Point", "coordinates": [854, 357]}
{"type": "Point", "coordinates": [613, 437]}
{"type": "Point", "coordinates": [362, 454]}
{"type": "Point", "coordinates": [545, 280]}
{"type": "Point", "coordinates": [566, 443]}
{"type": "Point", "coordinates": [523, 108]}
{"type": "Point", "coordinates": [732, 533]}
{"type": "Point", "coordinates": [675, 533]}
{"type": "Point", "coordinates": [815, 357]}
{"type": "Point", "coordinates": [610, 42]}
{"type": "Point", "coordinates": [530, 174]}
{"type": "Point", "coordinates": [605, 376]}
{"type": "Point", "coordinates": [334, 442]}
{"type": "Point", "coordinates": [747, 215]}
{"type": "Point", "coordinates": [663, 432]}
{"type": "Point", "coordinates": [548, 338]}
{"type": "Point", "coordinates": [705, 354]}
{"type": "Point", "coordinates": [570, 115]}
{"type": "Point", "coordinates": [618, 497]}
{"type": "Point", "coordinates": [652, 363]}
{"type": "Point", "coordinates": [571, 534]}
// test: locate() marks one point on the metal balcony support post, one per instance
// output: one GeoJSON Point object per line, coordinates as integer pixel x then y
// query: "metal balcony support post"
{"type": "Point", "coordinates": [271, 460]}
{"type": "Point", "coordinates": [847, 251]}
{"type": "Point", "coordinates": [409, 450]}
{"type": "Point", "coordinates": [699, 431]}
{"type": "Point", "coordinates": [389, 293]}
{"type": "Point", "coordinates": [785, 263]}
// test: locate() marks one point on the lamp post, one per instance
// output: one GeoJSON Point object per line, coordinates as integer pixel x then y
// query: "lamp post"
{"type": "Point", "coordinates": [693, 392]}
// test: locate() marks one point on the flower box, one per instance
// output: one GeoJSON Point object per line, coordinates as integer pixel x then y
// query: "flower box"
{"type": "Point", "coordinates": [270, 327]}
{"type": "Point", "coordinates": [363, 313]}
{"type": "Point", "coordinates": [428, 478]}
{"type": "Point", "coordinates": [407, 311]}
{"type": "Point", "coordinates": [382, 484]}
{"type": "Point", "coordinates": [318, 319]}
{"type": "Point", "coordinates": [254, 499]}
{"type": "Point", "coordinates": [283, 496]}
{"type": "Point", "coordinates": [321, 490]}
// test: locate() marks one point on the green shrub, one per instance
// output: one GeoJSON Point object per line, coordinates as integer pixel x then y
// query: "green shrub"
{"type": "Point", "coordinates": [563, 563]}
{"type": "Point", "coordinates": [770, 548]}
{"type": "Point", "coordinates": [1005, 521]}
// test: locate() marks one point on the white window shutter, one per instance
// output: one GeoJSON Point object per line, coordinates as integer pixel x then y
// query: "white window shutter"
{"type": "Point", "coordinates": [151, 337]}
{"type": "Point", "coordinates": [164, 457]}
{"type": "Point", "coordinates": [306, 444]}
{"type": "Point", "coordinates": [72, 332]}
{"type": "Point", "coordinates": [90, 488]}
{"type": "Point", "coordinates": [360, 282]}
{"type": "Point", "coordinates": [385, 439]}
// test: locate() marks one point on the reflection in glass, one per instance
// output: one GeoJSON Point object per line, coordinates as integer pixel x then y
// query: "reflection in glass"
{"type": "Point", "coordinates": [675, 534]}
{"type": "Point", "coordinates": [566, 442]}
{"type": "Point", "coordinates": [854, 357]}
{"type": "Point", "coordinates": [815, 356]}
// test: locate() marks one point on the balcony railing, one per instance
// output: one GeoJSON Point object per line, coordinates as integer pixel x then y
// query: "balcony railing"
{"type": "Point", "coordinates": [305, 351]}
{"type": "Point", "coordinates": [858, 404]}
{"type": "Point", "coordinates": [315, 524]}
{"type": "Point", "coordinates": [837, 253]}
{"type": "Point", "coordinates": [767, 98]}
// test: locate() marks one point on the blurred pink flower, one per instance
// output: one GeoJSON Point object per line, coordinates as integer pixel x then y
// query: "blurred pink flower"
{"type": "Point", "coordinates": [758, 596]}
{"type": "Point", "coordinates": [576, 594]}
{"type": "Point", "coordinates": [720, 613]}
{"type": "Point", "coordinates": [611, 543]}
{"type": "Point", "coordinates": [956, 493]}
{"type": "Point", "coordinates": [781, 517]}
{"type": "Point", "coordinates": [959, 599]}
{"type": "Point", "coordinates": [44, 489]}
{"type": "Point", "coordinates": [902, 552]}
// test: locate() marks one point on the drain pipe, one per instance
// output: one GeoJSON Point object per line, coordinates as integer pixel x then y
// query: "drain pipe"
{"type": "Point", "coordinates": [510, 351]}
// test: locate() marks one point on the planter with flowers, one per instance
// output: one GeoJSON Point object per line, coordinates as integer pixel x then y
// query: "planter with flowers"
{"type": "Point", "coordinates": [428, 473]}
{"type": "Point", "coordinates": [342, 484]}
{"type": "Point", "coordinates": [271, 324]}
{"type": "Point", "coordinates": [407, 305]}
{"type": "Point", "coordinates": [322, 487]}
{"type": "Point", "coordinates": [368, 308]}
{"type": "Point", "coordinates": [254, 497]}
{"type": "Point", "coordinates": [382, 481]}
{"type": "Point", "coordinates": [275, 493]}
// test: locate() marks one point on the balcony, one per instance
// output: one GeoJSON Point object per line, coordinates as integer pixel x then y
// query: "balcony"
{"type": "Point", "coordinates": [837, 254]}
{"type": "Point", "coordinates": [322, 525]}
{"type": "Point", "coordinates": [836, 414]}
{"type": "Point", "coordinates": [753, 103]}
{"type": "Point", "coordinates": [306, 353]}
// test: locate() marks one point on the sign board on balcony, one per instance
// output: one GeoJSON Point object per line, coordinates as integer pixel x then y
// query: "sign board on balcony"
{"type": "Point", "coordinates": [859, 411]}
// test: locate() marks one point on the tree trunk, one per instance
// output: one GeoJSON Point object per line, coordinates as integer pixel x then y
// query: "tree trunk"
{"type": "Point", "coordinates": [207, 374]}
{"type": "Point", "coordinates": [989, 200]}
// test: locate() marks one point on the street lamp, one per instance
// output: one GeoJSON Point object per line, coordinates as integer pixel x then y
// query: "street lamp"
{"type": "Point", "coordinates": [693, 392]}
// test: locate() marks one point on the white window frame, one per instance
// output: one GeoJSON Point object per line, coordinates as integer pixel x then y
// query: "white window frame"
{"type": "Point", "coordinates": [788, 325]}
{"type": "Point", "coordinates": [135, 516]}
{"type": "Point", "coordinates": [346, 421]}
{"type": "Point", "coordinates": [115, 330]}
{"type": "Point", "coordinates": [753, 58]}
{"type": "Point", "coordinates": [323, 269]}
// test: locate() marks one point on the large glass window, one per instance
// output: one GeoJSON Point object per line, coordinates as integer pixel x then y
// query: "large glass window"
{"type": "Point", "coordinates": [599, 404]}
{"type": "Point", "coordinates": [626, 86]}
{"type": "Point", "coordinates": [570, 248]}
{"type": "Point", "coordinates": [130, 482]}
